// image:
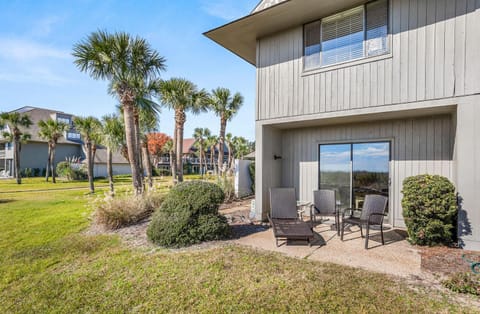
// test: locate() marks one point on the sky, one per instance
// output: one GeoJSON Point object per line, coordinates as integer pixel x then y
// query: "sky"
{"type": "Point", "coordinates": [36, 66]}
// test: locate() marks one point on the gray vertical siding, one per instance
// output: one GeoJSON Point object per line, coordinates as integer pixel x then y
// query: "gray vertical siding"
{"type": "Point", "coordinates": [434, 55]}
{"type": "Point", "coordinates": [421, 145]}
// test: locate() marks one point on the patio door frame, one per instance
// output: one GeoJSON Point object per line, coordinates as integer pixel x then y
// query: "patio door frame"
{"type": "Point", "coordinates": [391, 213]}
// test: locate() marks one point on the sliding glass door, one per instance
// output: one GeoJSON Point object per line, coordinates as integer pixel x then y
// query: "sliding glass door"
{"type": "Point", "coordinates": [354, 170]}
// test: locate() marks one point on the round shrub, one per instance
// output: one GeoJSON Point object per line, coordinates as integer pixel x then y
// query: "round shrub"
{"type": "Point", "coordinates": [189, 215]}
{"type": "Point", "coordinates": [430, 209]}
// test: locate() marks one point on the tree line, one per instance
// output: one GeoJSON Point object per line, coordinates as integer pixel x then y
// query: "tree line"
{"type": "Point", "coordinates": [132, 68]}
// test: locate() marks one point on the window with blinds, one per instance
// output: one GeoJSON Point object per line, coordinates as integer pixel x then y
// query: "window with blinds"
{"type": "Point", "coordinates": [349, 35]}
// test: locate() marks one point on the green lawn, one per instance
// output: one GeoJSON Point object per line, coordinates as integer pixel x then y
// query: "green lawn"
{"type": "Point", "coordinates": [47, 265]}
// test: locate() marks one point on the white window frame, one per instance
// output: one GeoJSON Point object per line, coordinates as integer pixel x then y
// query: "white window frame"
{"type": "Point", "coordinates": [365, 58]}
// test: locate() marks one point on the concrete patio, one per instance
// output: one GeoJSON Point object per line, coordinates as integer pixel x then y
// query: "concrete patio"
{"type": "Point", "coordinates": [396, 257]}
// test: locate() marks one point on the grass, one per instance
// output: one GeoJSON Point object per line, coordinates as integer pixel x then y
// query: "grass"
{"type": "Point", "coordinates": [48, 265]}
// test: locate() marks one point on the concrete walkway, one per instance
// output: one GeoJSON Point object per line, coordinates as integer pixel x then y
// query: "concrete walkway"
{"type": "Point", "coordinates": [396, 257]}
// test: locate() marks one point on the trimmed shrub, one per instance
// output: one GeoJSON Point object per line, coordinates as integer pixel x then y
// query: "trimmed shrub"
{"type": "Point", "coordinates": [429, 209]}
{"type": "Point", "coordinates": [189, 215]}
{"type": "Point", "coordinates": [120, 211]}
{"type": "Point", "coordinates": [463, 283]}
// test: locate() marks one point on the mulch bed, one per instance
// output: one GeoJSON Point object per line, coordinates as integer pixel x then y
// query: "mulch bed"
{"type": "Point", "coordinates": [444, 261]}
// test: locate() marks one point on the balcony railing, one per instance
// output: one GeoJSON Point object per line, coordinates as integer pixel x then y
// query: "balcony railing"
{"type": "Point", "coordinates": [2, 154]}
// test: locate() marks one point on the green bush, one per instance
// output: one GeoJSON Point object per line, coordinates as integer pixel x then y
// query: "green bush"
{"type": "Point", "coordinates": [463, 283]}
{"type": "Point", "coordinates": [189, 215]}
{"type": "Point", "coordinates": [429, 209]}
{"type": "Point", "coordinates": [66, 170]}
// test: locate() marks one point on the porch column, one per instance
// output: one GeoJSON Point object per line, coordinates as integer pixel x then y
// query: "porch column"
{"type": "Point", "coordinates": [268, 170]}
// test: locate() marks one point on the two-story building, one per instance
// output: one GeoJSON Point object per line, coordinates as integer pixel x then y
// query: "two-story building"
{"type": "Point", "coordinates": [34, 153]}
{"type": "Point", "coordinates": [358, 95]}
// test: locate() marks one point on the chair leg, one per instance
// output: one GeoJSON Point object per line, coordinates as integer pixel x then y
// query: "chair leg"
{"type": "Point", "coordinates": [337, 224]}
{"type": "Point", "coordinates": [361, 230]}
{"type": "Point", "coordinates": [343, 230]}
{"type": "Point", "coordinates": [381, 232]}
{"type": "Point", "coordinates": [366, 238]}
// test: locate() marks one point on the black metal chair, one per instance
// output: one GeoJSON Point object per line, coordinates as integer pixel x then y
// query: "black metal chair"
{"type": "Point", "coordinates": [372, 213]}
{"type": "Point", "coordinates": [325, 205]}
{"type": "Point", "coordinates": [284, 218]}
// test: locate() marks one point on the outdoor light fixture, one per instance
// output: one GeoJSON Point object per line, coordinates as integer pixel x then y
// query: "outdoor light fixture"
{"type": "Point", "coordinates": [275, 157]}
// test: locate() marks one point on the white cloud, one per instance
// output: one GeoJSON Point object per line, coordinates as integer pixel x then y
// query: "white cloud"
{"type": "Point", "coordinates": [26, 50]}
{"type": "Point", "coordinates": [38, 75]}
{"type": "Point", "coordinates": [227, 9]}
{"type": "Point", "coordinates": [43, 27]}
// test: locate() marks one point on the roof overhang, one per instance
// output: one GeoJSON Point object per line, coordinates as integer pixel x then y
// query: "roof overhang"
{"type": "Point", "coordinates": [240, 36]}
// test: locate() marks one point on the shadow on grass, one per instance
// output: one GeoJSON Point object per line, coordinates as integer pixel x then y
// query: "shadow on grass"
{"type": "Point", "coordinates": [6, 201]}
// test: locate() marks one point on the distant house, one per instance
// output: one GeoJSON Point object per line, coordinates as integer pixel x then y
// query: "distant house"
{"type": "Point", "coordinates": [33, 154]}
{"type": "Point", "coordinates": [356, 96]}
{"type": "Point", "coordinates": [191, 160]}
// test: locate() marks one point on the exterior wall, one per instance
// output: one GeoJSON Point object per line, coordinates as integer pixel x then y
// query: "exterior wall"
{"type": "Point", "coordinates": [100, 170]}
{"type": "Point", "coordinates": [433, 55]}
{"type": "Point", "coordinates": [467, 157]}
{"type": "Point", "coordinates": [419, 145]}
{"type": "Point", "coordinates": [34, 155]}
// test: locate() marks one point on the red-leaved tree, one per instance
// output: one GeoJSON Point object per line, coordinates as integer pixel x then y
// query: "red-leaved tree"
{"type": "Point", "coordinates": [156, 141]}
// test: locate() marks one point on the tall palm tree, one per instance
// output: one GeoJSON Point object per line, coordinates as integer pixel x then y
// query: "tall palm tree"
{"type": "Point", "coordinates": [241, 147]}
{"type": "Point", "coordinates": [16, 122]}
{"type": "Point", "coordinates": [200, 135]}
{"type": "Point", "coordinates": [51, 130]}
{"type": "Point", "coordinates": [168, 148]}
{"type": "Point", "coordinates": [113, 138]}
{"type": "Point", "coordinates": [124, 61]}
{"type": "Point", "coordinates": [181, 95]}
{"type": "Point", "coordinates": [89, 128]}
{"type": "Point", "coordinates": [225, 106]}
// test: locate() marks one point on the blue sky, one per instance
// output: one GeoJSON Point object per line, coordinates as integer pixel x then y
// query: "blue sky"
{"type": "Point", "coordinates": [36, 39]}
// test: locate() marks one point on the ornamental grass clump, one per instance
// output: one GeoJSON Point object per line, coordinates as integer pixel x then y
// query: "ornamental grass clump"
{"type": "Point", "coordinates": [189, 215]}
{"type": "Point", "coordinates": [124, 210]}
{"type": "Point", "coordinates": [430, 209]}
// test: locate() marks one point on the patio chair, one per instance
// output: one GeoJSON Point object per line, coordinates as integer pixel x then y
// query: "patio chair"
{"type": "Point", "coordinates": [325, 205]}
{"type": "Point", "coordinates": [284, 218]}
{"type": "Point", "coordinates": [372, 213]}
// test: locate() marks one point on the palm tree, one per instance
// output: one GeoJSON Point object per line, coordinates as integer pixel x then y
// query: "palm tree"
{"type": "Point", "coordinates": [225, 106]}
{"type": "Point", "coordinates": [211, 142]}
{"type": "Point", "coordinates": [200, 135]}
{"type": "Point", "coordinates": [148, 122]}
{"type": "Point", "coordinates": [229, 144]}
{"type": "Point", "coordinates": [181, 95]}
{"type": "Point", "coordinates": [241, 146]}
{"type": "Point", "coordinates": [15, 121]}
{"type": "Point", "coordinates": [89, 128]}
{"type": "Point", "coordinates": [113, 138]}
{"type": "Point", "coordinates": [51, 130]}
{"type": "Point", "coordinates": [124, 61]}
{"type": "Point", "coordinates": [168, 148]}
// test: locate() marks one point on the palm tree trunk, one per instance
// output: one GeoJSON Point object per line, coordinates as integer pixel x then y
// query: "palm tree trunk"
{"type": "Point", "coordinates": [138, 143]}
{"type": "Point", "coordinates": [221, 140]}
{"type": "Point", "coordinates": [229, 161]}
{"type": "Point", "coordinates": [201, 159]}
{"type": "Point", "coordinates": [88, 148]}
{"type": "Point", "coordinates": [147, 164]}
{"type": "Point", "coordinates": [132, 154]}
{"type": "Point", "coordinates": [110, 170]}
{"type": "Point", "coordinates": [16, 157]}
{"type": "Point", "coordinates": [180, 119]}
{"type": "Point", "coordinates": [173, 157]}
{"type": "Point", "coordinates": [52, 162]}
{"type": "Point", "coordinates": [49, 160]}
{"type": "Point", "coordinates": [170, 159]}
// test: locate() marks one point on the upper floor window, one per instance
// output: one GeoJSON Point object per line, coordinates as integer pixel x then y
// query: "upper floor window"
{"type": "Point", "coordinates": [73, 136]}
{"type": "Point", "coordinates": [64, 120]}
{"type": "Point", "coordinates": [357, 33]}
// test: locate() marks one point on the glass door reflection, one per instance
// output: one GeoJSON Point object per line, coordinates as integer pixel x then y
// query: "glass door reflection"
{"type": "Point", "coordinates": [336, 172]}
